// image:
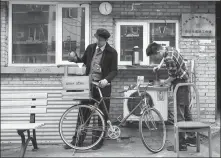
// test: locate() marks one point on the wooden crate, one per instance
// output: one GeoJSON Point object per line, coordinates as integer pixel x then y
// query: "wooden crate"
{"type": "Point", "coordinates": [76, 87]}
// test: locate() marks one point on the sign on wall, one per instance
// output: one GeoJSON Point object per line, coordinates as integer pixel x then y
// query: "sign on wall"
{"type": "Point", "coordinates": [198, 25]}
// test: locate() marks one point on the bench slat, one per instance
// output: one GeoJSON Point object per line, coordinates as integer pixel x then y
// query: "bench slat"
{"type": "Point", "coordinates": [29, 88]}
{"type": "Point", "coordinates": [24, 103]}
{"type": "Point", "coordinates": [21, 126]}
{"type": "Point", "coordinates": [23, 110]}
{"type": "Point", "coordinates": [24, 96]}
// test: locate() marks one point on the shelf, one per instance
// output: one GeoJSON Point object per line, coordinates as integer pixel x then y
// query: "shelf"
{"type": "Point", "coordinates": [27, 23]}
{"type": "Point", "coordinates": [31, 42]}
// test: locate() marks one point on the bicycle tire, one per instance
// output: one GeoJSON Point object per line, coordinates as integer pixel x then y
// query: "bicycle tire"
{"type": "Point", "coordinates": [146, 143]}
{"type": "Point", "coordinates": [97, 111]}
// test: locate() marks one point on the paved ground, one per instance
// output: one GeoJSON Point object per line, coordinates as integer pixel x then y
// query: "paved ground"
{"type": "Point", "coordinates": [131, 147]}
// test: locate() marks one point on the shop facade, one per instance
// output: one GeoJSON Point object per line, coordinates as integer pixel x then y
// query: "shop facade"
{"type": "Point", "coordinates": [38, 35]}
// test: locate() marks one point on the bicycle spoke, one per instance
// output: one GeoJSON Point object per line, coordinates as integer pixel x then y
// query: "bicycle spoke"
{"type": "Point", "coordinates": [152, 130]}
{"type": "Point", "coordinates": [83, 119]}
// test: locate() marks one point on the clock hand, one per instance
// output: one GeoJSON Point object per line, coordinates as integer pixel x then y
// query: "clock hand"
{"type": "Point", "coordinates": [105, 7]}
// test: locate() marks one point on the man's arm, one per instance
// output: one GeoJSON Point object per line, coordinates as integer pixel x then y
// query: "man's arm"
{"type": "Point", "coordinates": [161, 63]}
{"type": "Point", "coordinates": [114, 67]}
{"type": "Point", "coordinates": [78, 59]}
{"type": "Point", "coordinates": [171, 71]}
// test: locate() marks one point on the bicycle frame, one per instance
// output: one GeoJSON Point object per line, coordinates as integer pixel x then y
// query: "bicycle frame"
{"type": "Point", "coordinates": [142, 101]}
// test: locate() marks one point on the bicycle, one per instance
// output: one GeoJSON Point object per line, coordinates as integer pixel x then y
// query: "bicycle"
{"type": "Point", "coordinates": [151, 122]}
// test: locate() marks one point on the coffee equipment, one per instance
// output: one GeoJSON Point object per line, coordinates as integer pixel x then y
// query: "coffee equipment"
{"type": "Point", "coordinates": [135, 56]}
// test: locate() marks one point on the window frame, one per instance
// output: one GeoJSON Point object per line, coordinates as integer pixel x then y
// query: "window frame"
{"type": "Point", "coordinates": [59, 30]}
{"type": "Point", "coordinates": [118, 34]}
{"type": "Point", "coordinates": [58, 54]}
{"type": "Point", "coordinates": [146, 37]}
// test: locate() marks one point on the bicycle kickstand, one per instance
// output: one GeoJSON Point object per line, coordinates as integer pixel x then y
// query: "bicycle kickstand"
{"type": "Point", "coordinates": [74, 151]}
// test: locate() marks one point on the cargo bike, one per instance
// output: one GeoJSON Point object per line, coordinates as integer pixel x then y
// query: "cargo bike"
{"type": "Point", "coordinates": [77, 88]}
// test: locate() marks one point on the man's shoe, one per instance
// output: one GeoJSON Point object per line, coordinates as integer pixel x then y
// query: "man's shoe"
{"type": "Point", "coordinates": [182, 147]}
{"type": "Point", "coordinates": [191, 141]}
{"type": "Point", "coordinates": [98, 146]}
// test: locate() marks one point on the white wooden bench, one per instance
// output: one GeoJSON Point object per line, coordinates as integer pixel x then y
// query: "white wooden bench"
{"type": "Point", "coordinates": [24, 103]}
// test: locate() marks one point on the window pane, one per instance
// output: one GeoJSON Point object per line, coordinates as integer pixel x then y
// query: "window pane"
{"type": "Point", "coordinates": [131, 36]}
{"type": "Point", "coordinates": [73, 31]}
{"type": "Point", "coordinates": [33, 34]}
{"type": "Point", "coordinates": [162, 33]}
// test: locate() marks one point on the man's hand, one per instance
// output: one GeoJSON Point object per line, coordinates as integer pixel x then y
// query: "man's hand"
{"type": "Point", "coordinates": [156, 69]}
{"type": "Point", "coordinates": [72, 57]}
{"type": "Point", "coordinates": [103, 83]}
{"type": "Point", "coordinates": [165, 83]}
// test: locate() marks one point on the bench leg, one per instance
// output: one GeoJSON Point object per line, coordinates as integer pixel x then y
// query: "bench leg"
{"type": "Point", "coordinates": [24, 143]}
{"type": "Point", "coordinates": [197, 142]}
{"type": "Point", "coordinates": [34, 140]}
{"type": "Point", "coordinates": [210, 143]}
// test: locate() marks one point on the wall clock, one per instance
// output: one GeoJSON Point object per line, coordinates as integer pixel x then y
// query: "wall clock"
{"type": "Point", "coordinates": [105, 8]}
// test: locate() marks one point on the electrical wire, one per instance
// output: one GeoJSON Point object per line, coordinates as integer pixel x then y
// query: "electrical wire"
{"type": "Point", "coordinates": [71, 32]}
{"type": "Point", "coordinates": [71, 24]}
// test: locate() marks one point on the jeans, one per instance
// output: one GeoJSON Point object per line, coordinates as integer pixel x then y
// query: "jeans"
{"type": "Point", "coordinates": [183, 110]}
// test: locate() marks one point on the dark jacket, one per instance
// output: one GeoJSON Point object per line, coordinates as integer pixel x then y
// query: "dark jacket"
{"type": "Point", "coordinates": [109, 61]}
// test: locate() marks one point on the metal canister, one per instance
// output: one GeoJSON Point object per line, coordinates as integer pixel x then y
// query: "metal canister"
{"type": "Point", "coordinates": [135, 56]}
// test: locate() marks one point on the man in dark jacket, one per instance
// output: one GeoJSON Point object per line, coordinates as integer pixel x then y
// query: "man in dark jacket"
{"type": "Point", "coordinates": [101, 65]}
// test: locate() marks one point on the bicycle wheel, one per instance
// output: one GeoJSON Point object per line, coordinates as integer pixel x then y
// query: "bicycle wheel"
{"type": "Point", "coordinates": [82, 123]}
{"type": "Point", "coordinates": [152, 130]}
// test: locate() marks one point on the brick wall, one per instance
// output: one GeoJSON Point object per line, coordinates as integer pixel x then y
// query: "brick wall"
{"type": "Point", "coordinates": [205, 61]}
{"type": "Point", "coordinates": [189, 47]}
{"type": "Point", "coordinates": [4, 28]}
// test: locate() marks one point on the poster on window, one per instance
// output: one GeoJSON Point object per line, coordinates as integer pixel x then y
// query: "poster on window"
{"type": "Point", "coordinates": [163, 43]}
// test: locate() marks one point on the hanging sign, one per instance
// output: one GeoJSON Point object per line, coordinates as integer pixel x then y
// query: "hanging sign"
{"type": "Point", "coordinates": [202, 25]}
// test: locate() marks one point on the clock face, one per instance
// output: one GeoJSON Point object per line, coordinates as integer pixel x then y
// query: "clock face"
{"type": "Point", "coordinates": [105, 8]}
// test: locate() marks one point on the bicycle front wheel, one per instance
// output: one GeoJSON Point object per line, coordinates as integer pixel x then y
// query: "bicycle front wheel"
{"type": "Point", "coordinates": [152, 130]}
{"type": "Point", "coordinates": [82, 127]}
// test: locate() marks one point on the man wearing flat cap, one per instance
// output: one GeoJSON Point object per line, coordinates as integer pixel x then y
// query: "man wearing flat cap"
{"type": "Point", "coordinates": [101, 65]}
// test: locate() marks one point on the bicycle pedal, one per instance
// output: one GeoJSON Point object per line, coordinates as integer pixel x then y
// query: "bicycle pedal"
{"type": "Point", "coordinates": [119, 118]}
{"type": "Point", "coordinates": [119, 140]}
{"type": "Point", "coordinates": [153, 129]}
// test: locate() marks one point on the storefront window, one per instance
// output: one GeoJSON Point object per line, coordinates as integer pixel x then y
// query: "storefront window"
{"type": "Point", "coordinates": [73, 31]}
{"type": "Point", "coordinates": [164, 34]}
{"type": "Point", "coordinates": [136, 33]}
{"type": "Point", "coordinates": [33, 34]}
{"type": "Point", "coordinates": [131, 36]}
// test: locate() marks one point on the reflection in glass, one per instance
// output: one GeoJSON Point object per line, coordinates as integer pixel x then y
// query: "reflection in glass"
{"type": "Point", "coordinates": [131, 35]}
{"type": "Point", "coordinates": [164, 34]}
{"type": "Point", "coordinates": [33, 34]}
{"type": "Point", "coordinates": [73, 31]}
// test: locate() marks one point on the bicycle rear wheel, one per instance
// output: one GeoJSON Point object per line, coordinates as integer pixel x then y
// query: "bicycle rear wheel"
{"type": "Point", "coordinates": [80, 123]}
{"type": "Point", "coordinates": [152, 130]}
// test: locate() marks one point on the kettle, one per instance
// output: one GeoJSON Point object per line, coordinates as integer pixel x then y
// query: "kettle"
{"type": "Point", "coordinates": [135, 56]}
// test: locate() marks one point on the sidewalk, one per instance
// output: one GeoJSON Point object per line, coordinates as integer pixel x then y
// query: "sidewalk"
{"type": "Point", "coordinates": [130, 146]}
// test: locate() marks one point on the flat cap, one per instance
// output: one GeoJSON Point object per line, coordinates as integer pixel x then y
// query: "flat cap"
{"type": "Point", "coordinates": [102, 33]}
